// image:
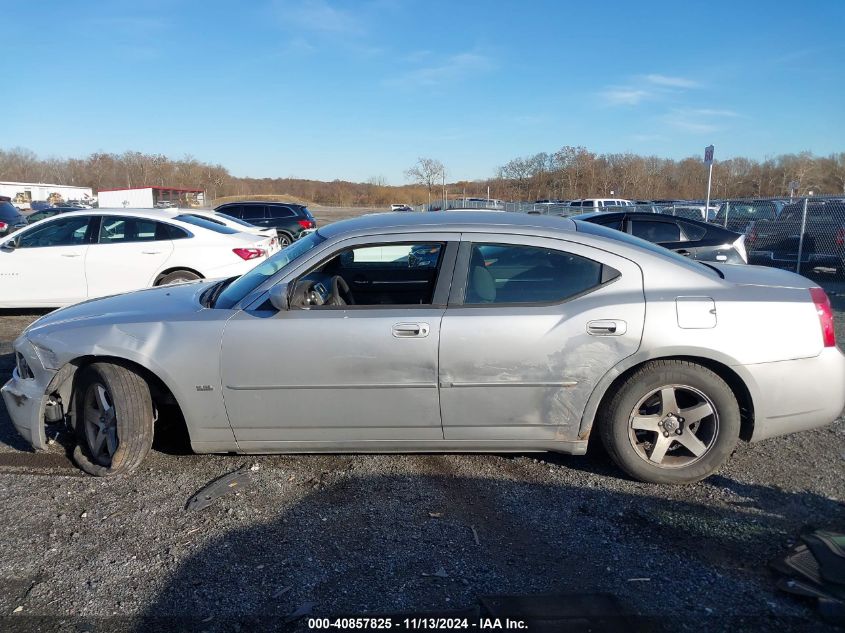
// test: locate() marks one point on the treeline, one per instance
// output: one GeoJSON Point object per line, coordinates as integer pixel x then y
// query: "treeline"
{"type": "Point", "coordinates": [136, 169]}
{"type": "Point", "coordinates": [571, 172]}
{"type": "Point", "coordinates": [575, 172]}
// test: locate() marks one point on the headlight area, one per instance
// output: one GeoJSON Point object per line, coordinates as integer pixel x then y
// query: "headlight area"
{"type": "Point", "coordinates": [39, 364]}
{"type": "Point", "coordinates": [24, 371]}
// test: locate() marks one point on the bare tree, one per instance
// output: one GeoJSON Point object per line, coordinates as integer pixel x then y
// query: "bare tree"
{"type": "Point", "coordinates": [427, 172]}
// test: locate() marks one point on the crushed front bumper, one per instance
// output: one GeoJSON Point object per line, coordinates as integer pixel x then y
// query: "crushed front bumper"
{"type": "Point", "coordinates": [25, 401]}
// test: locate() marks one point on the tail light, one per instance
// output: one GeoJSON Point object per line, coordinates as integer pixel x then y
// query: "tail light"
{"type": "Point", "coordinates": [3, 226]}
{"type": "Point", "coordinates": [840, 237]}
{"type": "Point", "coordinates": [307, 224]}
{"type": "Point", "coordinates": [249, 253]}
{"type": "Point", "coordinates": [751, 237]}
{"type": "Point", "coordinates": [825, 313]}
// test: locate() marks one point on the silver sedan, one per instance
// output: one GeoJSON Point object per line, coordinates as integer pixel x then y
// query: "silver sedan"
{"type": "Point", "coordinates": [455, 332]}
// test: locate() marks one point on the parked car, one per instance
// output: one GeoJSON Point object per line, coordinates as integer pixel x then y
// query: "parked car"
{"type": "Point", "coordinates": [11, 218]}
{"type": "Point", "coordinates": [50, 212]}
{"type": "Point", "coordinates": [39, 205]}
{"type": "Point", "coordinates": [597, 203]}
{"type": "Point", "coordinates": [777, 242]}
{"type": "Point", "coordinates": [743, 215]}
{"type": "Point", "coordinates": [232, 222]}
{"type": "Point", "coordinates": [289, 220]}
{"type": "Point", "coordinates": [525, 333]}
{"type": "Point", "coordinates": [691, 238]}
{"type": "Point", "coordinates": [85, 254]}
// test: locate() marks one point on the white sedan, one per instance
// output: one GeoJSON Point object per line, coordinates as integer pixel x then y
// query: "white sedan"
{"type": "Point", "coordinates": [97, 252]}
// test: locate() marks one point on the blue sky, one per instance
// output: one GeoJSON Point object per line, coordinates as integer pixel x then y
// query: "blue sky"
{"type": "Point", "coordinates": [328, 89]}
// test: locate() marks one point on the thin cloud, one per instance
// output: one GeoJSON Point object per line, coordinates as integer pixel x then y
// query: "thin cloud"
{"type": "Point", "coordinates": [670, 82]}
{"type": "Point", "coordinates": [451, 69]}
{"type": "Point", "coordinates": [625, 96]}
{"type": "Point", "coordinates": [317, 16]}
{"type": "Point", "coordinates": [698, 120]}
{"type": "Point", "coordinates": [646, 88]}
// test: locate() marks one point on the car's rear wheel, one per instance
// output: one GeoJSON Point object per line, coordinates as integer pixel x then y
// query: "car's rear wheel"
{"type": "Point", "coordinates": [284, 240]}
{"type": "Point", "coordinates": [177, 277]}
{"type": "Point", "coordinates": [114, 419]}
{"type": "Point", "coordinates": [671, 422]}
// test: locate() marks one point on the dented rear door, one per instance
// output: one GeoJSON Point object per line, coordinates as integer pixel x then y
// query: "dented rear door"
{"type": "Point", "coordinates": [524, 371]}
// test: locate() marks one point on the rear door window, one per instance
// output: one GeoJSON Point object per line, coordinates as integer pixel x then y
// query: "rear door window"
{"type": "Point", "coordinates": [236, 211]}
{"type": "Point", "coordinates": [654, 231]}
{"type": "Point", "coordinates": [119, 229]}
{"type": "Point", "coordinates": [514, 274]}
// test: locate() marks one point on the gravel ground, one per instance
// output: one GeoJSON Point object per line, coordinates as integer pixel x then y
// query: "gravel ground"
{"type": "Point", "coordinates": [355, 534]}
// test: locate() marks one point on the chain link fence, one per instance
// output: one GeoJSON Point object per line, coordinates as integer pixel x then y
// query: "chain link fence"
{"type": "Point", "coordinates": [800, 234]}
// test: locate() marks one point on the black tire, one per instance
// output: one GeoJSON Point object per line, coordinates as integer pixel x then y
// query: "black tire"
{"type": "Point", "coordinates": [638, 414]}
{"type": "Point", "coordinates": [131, 420]}
{"type": "Point", "coordinates": [177, 277]}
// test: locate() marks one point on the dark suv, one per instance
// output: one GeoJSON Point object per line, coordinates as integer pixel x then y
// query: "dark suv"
{"type": "Point", "coordinates": [289, 220]}
{"type": "Point", "coordinates": [10, 218]}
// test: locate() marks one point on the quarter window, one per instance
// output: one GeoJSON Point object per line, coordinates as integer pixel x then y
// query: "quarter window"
{"type": "Point", "coordinates": [60, 232]}
{"type": "Point", "coordinates": [281, 212]}
{"type": "Point", "coordinates": [505, 273]}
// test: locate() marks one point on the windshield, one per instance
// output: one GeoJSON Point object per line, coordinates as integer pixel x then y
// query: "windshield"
{"type": "Point", "coordinates": [245, 284]}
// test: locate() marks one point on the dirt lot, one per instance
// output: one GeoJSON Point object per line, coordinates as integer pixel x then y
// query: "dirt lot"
{"type": "Point", "coordinates": [355, 534]}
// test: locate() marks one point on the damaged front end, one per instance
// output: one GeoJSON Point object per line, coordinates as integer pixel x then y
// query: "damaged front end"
{"type": "Point", "coordinates": [29, 395]}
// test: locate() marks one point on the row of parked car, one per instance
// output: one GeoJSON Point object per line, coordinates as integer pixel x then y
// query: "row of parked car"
{"type": "Point", "coordinates": [61, 255]}
{"type": "Point", "coordinates": [764, 232]}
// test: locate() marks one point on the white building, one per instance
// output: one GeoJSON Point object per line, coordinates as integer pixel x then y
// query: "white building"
{"type": "Point", "coordinates": [149, 197]}
{"type": "Point", "coordinates": [23, 194]}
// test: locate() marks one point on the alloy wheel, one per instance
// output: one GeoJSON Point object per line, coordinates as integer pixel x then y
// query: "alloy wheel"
{"type": "Point", "coordinates": [673, 426]}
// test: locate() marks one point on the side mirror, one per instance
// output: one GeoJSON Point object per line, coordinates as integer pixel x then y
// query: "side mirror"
{"type": "Point", "coordinates": [9, 246]}
{"type": "Point", "coordinates": [279, 297]}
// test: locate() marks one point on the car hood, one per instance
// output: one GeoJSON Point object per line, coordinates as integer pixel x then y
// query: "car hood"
{"type": "Point", "coordinates": [152, 305]}
{"type": "Point", "coordinates": [745, 275]}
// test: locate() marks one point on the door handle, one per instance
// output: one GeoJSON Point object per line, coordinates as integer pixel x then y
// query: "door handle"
{"type": "Point", "coordinates": [150, 252]}
{"type": "Point", "coordinates": [70, 254]}
{"type": "Point", "coordinates": [607, 327]}
{"type": "Point", "coordinates": [683, 252]}
{"type": "Point", "coordinates": [411, 330]}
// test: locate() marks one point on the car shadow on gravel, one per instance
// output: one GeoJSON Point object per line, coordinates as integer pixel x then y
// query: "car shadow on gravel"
{"type": "Point", "coordinates": [412, 544]}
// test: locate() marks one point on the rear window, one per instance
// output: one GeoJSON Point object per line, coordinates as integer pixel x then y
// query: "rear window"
{"type": "Point", "coordinates": [203, 223]}
{"type": "Point", "coordinates": [747, 211]}
{"type": "Point", "coordinates": [8, 211]}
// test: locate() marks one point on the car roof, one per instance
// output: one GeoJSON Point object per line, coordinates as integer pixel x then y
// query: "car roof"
{"type": "Point", "coordinates": [474, 221]}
